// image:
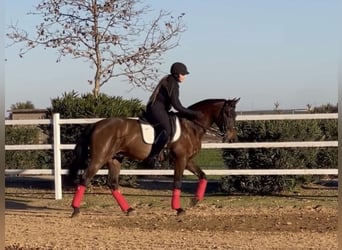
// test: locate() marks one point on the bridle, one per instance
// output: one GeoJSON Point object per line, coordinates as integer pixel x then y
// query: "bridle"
{"type": "Point", "coordinates": [221, 131]}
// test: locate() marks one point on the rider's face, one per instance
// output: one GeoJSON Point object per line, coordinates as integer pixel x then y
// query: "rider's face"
{"type": "Point", "coordinates": [181, 78]}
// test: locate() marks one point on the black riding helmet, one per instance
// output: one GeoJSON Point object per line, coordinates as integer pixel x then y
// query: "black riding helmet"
{"type": "Point", "coordinates": [179, 68]}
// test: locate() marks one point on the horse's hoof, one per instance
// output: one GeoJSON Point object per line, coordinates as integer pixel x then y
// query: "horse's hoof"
{"type": "Point", "coordinates": [193, 202]}
{"type": "Point", "coordinates": [180, 212]}
{"type": "Point", "coordinates": [131, 212]}
{"type": "Point", "coordinates": [75, 213]}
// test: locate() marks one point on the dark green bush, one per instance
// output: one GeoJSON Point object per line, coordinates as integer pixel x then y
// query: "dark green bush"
{"type": "Point", "coordinates": [278, 158]}
{"type": "Point", "coordinates": [72, 105]}
{"type": "Point", "coordinates": [25, 159]}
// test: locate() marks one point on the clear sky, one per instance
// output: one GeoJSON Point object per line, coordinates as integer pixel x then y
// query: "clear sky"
{"type": "Point", "coordinates": [264, 51]}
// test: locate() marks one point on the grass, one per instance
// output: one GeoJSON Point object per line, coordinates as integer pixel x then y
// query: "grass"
{"type": "Point", "coordinates": [210, 159]}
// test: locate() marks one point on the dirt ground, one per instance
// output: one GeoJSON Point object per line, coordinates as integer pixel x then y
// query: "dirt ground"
{"type": "Point", "coordinates": [305, 219]}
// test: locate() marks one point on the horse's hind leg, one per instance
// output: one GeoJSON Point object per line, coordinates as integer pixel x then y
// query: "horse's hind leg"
{"type": "Point", "coordinates": [202, 183]}
{"type": "Point", "coordinates": [113, 183]}
{"type": "Point", "coordinates": [80, 189]}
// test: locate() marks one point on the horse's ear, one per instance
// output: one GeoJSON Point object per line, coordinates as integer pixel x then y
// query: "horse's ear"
{"type": "Point", "coordinates": [236, 99]}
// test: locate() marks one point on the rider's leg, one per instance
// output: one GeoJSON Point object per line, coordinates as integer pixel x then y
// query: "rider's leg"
{"type": "Point", "coordinates": [158, 145]}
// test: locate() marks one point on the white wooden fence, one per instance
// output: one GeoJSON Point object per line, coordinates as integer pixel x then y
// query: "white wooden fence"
{"type": "Point", "coordinates": [56, 122]}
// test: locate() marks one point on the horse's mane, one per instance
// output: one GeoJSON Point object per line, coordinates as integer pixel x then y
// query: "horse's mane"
{"type": "Point", "coordinates": [205, 102]}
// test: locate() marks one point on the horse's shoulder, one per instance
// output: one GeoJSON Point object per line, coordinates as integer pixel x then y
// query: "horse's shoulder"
{"type": "Point", "coordinates": [185, 123]}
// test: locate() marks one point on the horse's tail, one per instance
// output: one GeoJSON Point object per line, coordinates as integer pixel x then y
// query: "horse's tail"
{"type": "Point", "coordinates": [80, 154]}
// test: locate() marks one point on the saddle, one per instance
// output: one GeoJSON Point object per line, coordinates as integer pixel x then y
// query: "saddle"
{"type": "Point", "coordinates": [147, 130]}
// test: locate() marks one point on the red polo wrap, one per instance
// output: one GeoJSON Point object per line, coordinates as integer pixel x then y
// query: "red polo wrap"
{"type": "Point", "coordinates": [176, 199]}
{"type": "Point", "coordinates": [76, 202]}
{"type": "Point", "coordinates": [120, 200]}
{"type": "Point", "coordinates": [202, 185]}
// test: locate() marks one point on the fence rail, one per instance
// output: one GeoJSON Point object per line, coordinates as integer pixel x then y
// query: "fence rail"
{"type": "Point", "coordinates": [56, 122]}
{"type": "Point", "coordinates": [321, 171]}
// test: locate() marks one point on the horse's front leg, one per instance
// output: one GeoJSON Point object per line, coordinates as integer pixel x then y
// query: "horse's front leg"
{"type": "Point", "coordinates": [202, 183]}
{"type": "Point", "coordinates": [180, 164]}
{"type": "Point", "coordinates": [113, 183]}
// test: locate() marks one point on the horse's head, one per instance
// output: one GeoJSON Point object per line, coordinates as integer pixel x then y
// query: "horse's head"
{"type": "Point", "coordinates": [226, 120]}
{"type": "Point", "coordinates": [222, 113]}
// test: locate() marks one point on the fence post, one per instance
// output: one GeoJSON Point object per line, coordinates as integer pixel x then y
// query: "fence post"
{"type": "Point", "coordinates": [57, 156]}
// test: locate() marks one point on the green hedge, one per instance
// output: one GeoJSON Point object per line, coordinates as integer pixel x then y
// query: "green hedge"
{"type": "Point", "coordinates": [278, 158]}
{"type": "Point", "coordinates": [72, 105]}
{"type": "Point", "coordinates": [25, 159]}
{"type": "Point", "coordinates": [69, 105]}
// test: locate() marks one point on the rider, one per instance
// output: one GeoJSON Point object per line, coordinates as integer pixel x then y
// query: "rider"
{"type": "Point", "coordinates": [165, 96]}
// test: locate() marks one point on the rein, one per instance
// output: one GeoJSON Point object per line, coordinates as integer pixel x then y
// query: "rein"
{"type": "Point", "coordinates": [217, 132]}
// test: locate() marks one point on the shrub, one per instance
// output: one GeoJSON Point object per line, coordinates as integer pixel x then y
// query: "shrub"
{"type": "Point", "coordinates": [72, 105]}
{"type": "Point", "coordinates": [277, 158]}
{"type": "Point", "coordinates": [25, 159]}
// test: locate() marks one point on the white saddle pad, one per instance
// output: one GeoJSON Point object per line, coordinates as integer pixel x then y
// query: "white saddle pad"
{"type": "Point", "coordinates": [147, 131]}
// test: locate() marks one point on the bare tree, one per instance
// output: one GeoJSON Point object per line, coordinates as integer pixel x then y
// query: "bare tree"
{"type": "Point", "coordinates": [276, 105]}
{"type": "Point", "coordinates": [308, 107]}
{"type": "Point", "coordinates": [115, 36]}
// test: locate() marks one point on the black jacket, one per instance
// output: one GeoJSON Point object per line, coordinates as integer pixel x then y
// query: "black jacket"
{"type": "Point", "coordinates": [166, 96]}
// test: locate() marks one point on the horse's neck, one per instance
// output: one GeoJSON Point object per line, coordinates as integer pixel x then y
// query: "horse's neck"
{"type": "Point", "coordinates": [209, 121]}
{"type": "Point", "coordinates": [204, 125]}
{"type": "Point", "coordinates": [208, 116]}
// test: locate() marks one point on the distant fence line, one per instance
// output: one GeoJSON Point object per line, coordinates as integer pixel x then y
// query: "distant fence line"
{"type": "Point", "coordinates": [56, 122]}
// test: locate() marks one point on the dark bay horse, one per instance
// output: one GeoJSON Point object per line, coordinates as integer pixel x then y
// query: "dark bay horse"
{"type": "Point", "coordinates": [106, 141]}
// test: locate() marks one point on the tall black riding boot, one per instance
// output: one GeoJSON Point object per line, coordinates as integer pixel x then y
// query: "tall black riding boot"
{"type": "Point", "coordinates": [153, 158]}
